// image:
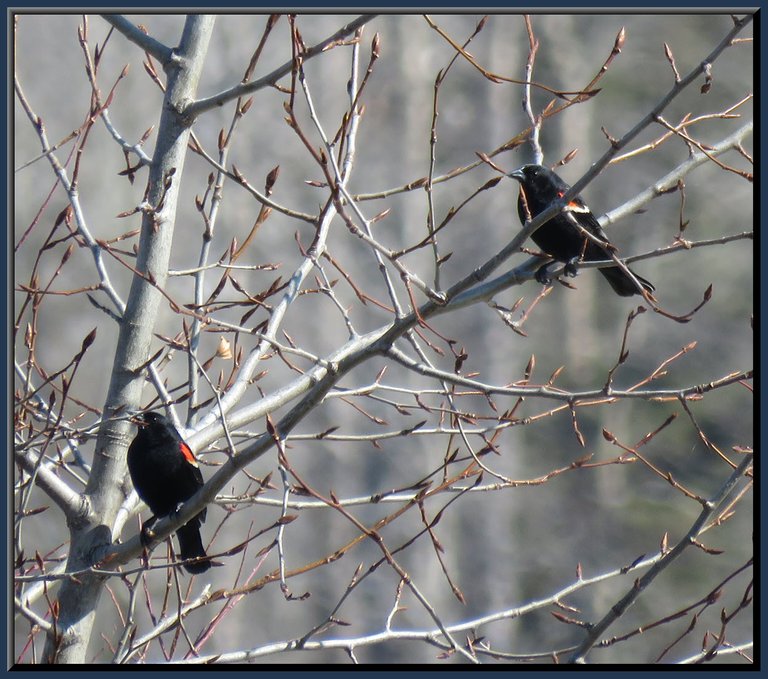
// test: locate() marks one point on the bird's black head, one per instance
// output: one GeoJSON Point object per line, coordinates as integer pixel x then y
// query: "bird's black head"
{"type": "Point", "coordinates": [539, 188]}
{"type": "Point", "coordinates": [155, 428]}
{"type": "Point", "coordinates": [538, 177]}
{"type": "Point", "coordinates": [149, 418]}
{"type": "Point", "coordinates": [525, 173]}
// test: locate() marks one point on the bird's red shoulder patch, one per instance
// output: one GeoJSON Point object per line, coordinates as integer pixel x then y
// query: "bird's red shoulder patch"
{"type": "Point", "coordinates": [186, 451]}
{"type": "Point", "coordinates": [577, 206]}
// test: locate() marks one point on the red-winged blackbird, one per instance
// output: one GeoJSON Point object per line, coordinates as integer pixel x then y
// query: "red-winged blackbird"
{"type": "Point", "coordinates": [164, 472]}
{"type": "Point", "coordinates": [560, 238]}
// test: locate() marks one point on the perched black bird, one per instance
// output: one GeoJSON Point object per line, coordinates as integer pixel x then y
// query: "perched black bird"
{"type": "Point", "coordinates": [164, 472]}
{"type": "Point", "coordinates": [560, 238]}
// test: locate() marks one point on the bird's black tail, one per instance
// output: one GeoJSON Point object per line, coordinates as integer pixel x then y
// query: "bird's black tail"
{"type": "Point", "coordinates": [622, 284]}
{"type": "Point", "coordinates": [191, 547]}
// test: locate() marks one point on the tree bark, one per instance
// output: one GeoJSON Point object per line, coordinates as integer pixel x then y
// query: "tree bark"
{"type": "Point", "coordinates": [91, 528]}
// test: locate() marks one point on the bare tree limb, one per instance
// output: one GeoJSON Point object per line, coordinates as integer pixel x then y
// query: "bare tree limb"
{"type": "Point", "coordinates": [243, 89]}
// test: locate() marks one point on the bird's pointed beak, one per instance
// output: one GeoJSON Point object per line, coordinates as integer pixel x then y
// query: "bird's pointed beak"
{"type": "Point", "coordinates": [517, 174]}
{"type": "Point", "coordinates": [137, 418]}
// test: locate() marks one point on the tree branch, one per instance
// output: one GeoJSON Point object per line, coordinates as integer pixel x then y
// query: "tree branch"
{"type": "Point", "coordinates": [620, 607]}
{"type": "Point", "coordinates": [202, 105]}
{"type": "Point", "coordinates": [149, 44]}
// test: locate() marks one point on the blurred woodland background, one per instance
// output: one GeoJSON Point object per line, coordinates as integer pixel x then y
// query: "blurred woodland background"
{"type": "Point", "coordinates": [544, 493]}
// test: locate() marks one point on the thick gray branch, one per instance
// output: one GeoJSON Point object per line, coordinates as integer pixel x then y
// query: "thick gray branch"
{"type": "Point", "coordinates": [78, 598]}
{"type": "Point", "coordinates": [66, 499]}
{"type": "Point", "coordinates": [154, 47]}
{"type": "Point", "coordinates": [618, 609]}
{"type": "Point", "coordinates": [670, 180]}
